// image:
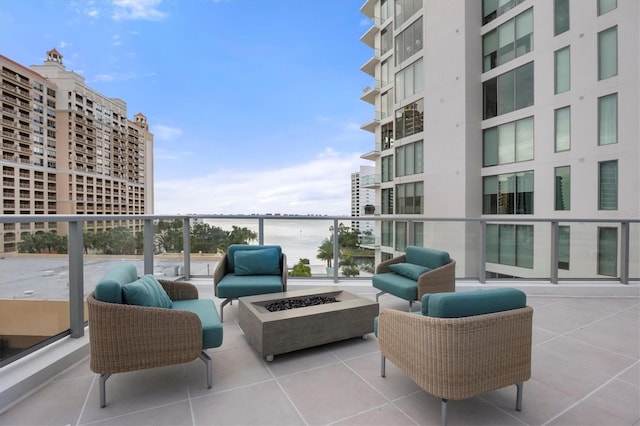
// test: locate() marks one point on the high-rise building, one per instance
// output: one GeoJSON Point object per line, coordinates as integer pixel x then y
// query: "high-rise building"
{"type": "Point", "coordinates": [67, 149]}
{"type": "Point", "coordinates": [501, 109]}
{"type": "Point", "coordinates": [363, 198]}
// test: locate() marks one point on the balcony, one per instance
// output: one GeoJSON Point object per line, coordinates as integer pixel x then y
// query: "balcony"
{"type": "Point", "coordinates": [371, 125]}
{"type": "Point", "coordinates": [369, 93]}
{"type": "Point", "coordinates": [586, 346]}
{"type": "Point", "coordinates": [370, 181]}
{"type": "Point", "coordinates": [369, 67]}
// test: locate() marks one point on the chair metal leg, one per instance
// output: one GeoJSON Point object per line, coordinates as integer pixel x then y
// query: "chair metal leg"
{"type": "Point", "coordinates": [519, 389]}
{"type": "Point", "coordinates": [103, 391]}
{"type": "Point", "coordinates": [380, 294]}
{"type": "Point", "coordinates": [207, 361]}
{"type": "Point", "coordinates": [410, 305]}
{"type": "Point", "coordinates": [222, 305]}
{"type": "Point", "coordinates": [382, 365]}
{"type": "Point", "coordinates": [443, 412]}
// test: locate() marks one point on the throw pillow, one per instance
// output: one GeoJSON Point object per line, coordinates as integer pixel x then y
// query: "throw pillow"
{"type": "Point", "coordinates": [257, 262]}
{"type": "Point", "coordinates": [409, 270]}
{"type": "Point", "coordinates": [146, 291]}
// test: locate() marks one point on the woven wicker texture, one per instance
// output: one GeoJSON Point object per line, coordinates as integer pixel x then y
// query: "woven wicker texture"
{"type": "Point", "coordinates": [458, 358]}
{"type": "Point", "coordinates": [439, 280]}
{"type": "Point", "coordinates": [128, 337]}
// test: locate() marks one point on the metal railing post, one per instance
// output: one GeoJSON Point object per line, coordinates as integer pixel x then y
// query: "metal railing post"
{"type": "Point", "coordinates": [624, 252]}
{"type": "Point", "coordinates": [147, 237]}
{"type": "Point", "coordinates": [482, 273]}
{"type": "Point", "coordinates": [186, 247]}
{"type": "Point", "coordinates": [553, 265]}
{"type": "Point", "coordinates": [336, 251]}
{"type": "Point", "coordinates": [76, 279]}
{"type": "Point", "coordinates": [261, 231]}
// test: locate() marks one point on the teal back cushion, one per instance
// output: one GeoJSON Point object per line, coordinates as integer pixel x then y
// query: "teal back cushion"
{"type": "Point", "coordinates": [146, 291]}
{"type": "Point", "coordinates": [233, 248]}
{"type": "Point", "coordinates": [257, 262]}
{"type": "Point", "coordinates": [409, 270]}
{"type": "Point", "coordinates": [469, 303]}
{"type": "Point", "coordinates": [109, 288]}
{"type": "Point", "coordinates": [430, 258]}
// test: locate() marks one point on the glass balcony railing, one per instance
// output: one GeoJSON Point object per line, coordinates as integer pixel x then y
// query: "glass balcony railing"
{"type": "Point", "coordinates": [50, 263]}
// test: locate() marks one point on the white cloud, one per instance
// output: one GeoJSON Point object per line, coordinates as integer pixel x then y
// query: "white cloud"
{"type": "Point", "coordinates": [144, 10]}
{"type": "Point", "coordinates": [93, 13]}
{"type": "Point", "coordinates": [162, 132]}
{"type": "Point", "coordinates": [320, 186]}
{"type": "Point", "coordinates": [116, 40]}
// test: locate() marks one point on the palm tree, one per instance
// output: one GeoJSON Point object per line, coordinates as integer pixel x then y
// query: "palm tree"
{"type": "Point", "coordinates": [325, 251]}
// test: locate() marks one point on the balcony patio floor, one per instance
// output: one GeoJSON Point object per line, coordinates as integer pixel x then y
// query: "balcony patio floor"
{"type": "Point", "coordinates": [586, 371]}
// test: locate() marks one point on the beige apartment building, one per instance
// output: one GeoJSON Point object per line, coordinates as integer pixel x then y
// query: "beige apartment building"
{"type": "Point", "coordinates": [507, 109]}
{"type": "Point", "coordinates": [67, 149]}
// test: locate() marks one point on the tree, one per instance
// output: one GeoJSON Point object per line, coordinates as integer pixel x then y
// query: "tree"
{"type": "Point", "coordinates": [301, 269]}
{"type": "Point", "coordinates": [325, 251]}
{"type": "Point", "coordinates": [348, 268]}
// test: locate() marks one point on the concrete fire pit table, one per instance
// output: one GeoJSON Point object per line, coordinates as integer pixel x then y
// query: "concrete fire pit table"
{"type": "Point", "coordinates": [274, 333]}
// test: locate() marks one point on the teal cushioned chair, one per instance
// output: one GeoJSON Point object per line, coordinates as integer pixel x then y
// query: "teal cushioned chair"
{"type": "Point", "coordinates": [247, 270]}
{"type": "Point", "coordinates": [418, 272]}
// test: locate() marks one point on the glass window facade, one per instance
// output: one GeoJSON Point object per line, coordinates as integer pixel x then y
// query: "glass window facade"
{"type": "Point", "coordinates": [562, 77]}
{"type": "Point", "coordinates": [510, 40]}
{"type": "Point", "coordinates": [387, 200]}
{"type": "Point", "coordinates": [608, 53]}
{"type": "Point", "coordinates": [491, 9]}
{"type": "Point", "coordinates": [608, 185]}
{"type": "Point", "coordinates": [508, 244]}
{"type": "Point", "coordinates": [409, 42]}
{"type": "Point", "coordinates": [409, 159]}
{"type": "Point", "coordinates": [386, 237]}
{"type": "Point", "coordinates": [561, 19]}
{"type": "Point", "coordinates": [409, 198]}
{"type": "Point", "coordinates": [564, 247]}
{"type": "Point", "coordinates": [563, 188]}
{"type": "Point", "coordinates": [508, 143]}
{"type": "Point", "coordinates": [608, 119]}
{"type": "Point", "coordinates": [409, 81]}
{"type": "Point", "coordinates": [605, 6]}
{"type": "Point", "coordinates": [608, 251]}
{"type": "Point", "coordinates": [509, 193]}
{"type": "Point", "coordinates": [386, 39]}
{"type": "Point", "coordinates": [410, 119]}
{"type": "Point", "coordinates": [508, 92]}
{"type": "Point", "coordinates": [386, 166]}
{"type": "Point", "coordinates": [387, 135]}
{"type": "Point", "coordinates": [401, 236]}
{"type": "Point", "coordinates": [562, 124]}
{"type": "Point", "coordinates": [405, 9]}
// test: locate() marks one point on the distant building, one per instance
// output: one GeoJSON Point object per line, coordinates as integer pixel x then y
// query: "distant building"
{"type": "Point", "coordinates": [363, 198]}
{"type": "Point", "coordinates": [67, 149]}
{"type": "Point", "coordinates": [506, 109]}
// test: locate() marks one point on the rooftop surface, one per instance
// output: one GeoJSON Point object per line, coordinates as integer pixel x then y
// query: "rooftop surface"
{"type": "Point", "coordinates": [585, 371]}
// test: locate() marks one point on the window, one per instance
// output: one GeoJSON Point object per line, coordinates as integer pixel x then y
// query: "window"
{"type": "Point", "coordinates": [608, 185]}
{"type": "Point", "coordinates": [386, 238]}
{"type": "Point", "coordinates": [401, 236]}
{"type": "Point", "coordinates": [607, 251]}
{"type": "Point", "coordinates": [387, 135]}
{"type": "Point", "coordinates": [418, 234]}
{"type": "Point", "coordinates": [387, 201]}
{"type": "Point", "coordinates": [386, 165]}
{"type": "Point", "coordinates": [409, 81]}
{"type": "Point", "coordinates": [564, 244]}
{"type": "Point", "coordinates": [409, 42]}
{"type": "Point", "coordinates": [562, 78]}
{"type": "Point", "coordinates": [385, 10]}
{"type": "Point", "coordinates": [608, 53]}
{"type": "Point", "coordinates": [405, 9]}
{"type": "Point", "coordinates": [386, 40]}
{"type": "Point", "coordinates": [510, 193]}
{"type": "Point", "coordinates": [510, 40]}
{"type": "Point", "coordinates": [562, 129]}
{"type": "Point", "coordinates": [563, 188]}
{"type": "Point", "coordinates": [608, 119]}
{"type": "Point", "coordinates": [491, 9]}
{"type": "Point", "coordinates": [508, 92]}
{"type": "Point", "coordinates": [386, 104]}
{"type": "Point", "coordinates": [605, 6]}
{"type": "Point", "coordinates": [510, 245]}
{"type": "Point", "coordinates": [508, 143]}
{"type": "Point", "coordinates": [409, 159]}
{"type": "Point", "coordinates": [410, 119]}
{"type": "Point", "coordinates": [560, 16]}
{"type": "Point", "coordinates": [385, 72]}
{"type": "Point", "coordinates": [409, 198]}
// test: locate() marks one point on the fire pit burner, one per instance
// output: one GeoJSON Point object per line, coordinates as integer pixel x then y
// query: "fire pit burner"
{"type": "Point", "coordinates": [284, 304]}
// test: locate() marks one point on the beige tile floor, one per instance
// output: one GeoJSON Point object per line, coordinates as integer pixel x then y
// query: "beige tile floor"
{"type": "Point", "coordinates": [586, 371]}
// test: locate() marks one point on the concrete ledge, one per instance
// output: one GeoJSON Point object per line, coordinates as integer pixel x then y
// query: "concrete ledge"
{"type": "Point", "coordinates": [26, 375]}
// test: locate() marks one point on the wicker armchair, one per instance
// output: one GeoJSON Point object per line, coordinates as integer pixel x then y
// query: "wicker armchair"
{"type": "Point", "coordinates": [459, 358]}
{"type": "Point", "coordinates": [440, 278]}
{"type": "Point", "coordinates": [130, 337]}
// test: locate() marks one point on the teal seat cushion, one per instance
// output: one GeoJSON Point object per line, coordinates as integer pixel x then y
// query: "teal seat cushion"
{"type": "Point", "coordinates": [257, 262]}
{"type": "Point", "coordinates": [233, 248]}
{"type": "Point", "coordinates": [431, 258]}
{"type": "Point", "coordinates": [396, 284]}
{"type": "Point", "coordinates": [206, 311]}
{"type": "Point", "coordinates": [469, 303]}
{"type": "Point", "coordinates": [409, 270]}
{"type": "Point", "coordinates": [233, 286]}
{"type": "Point", "coordinates": [109, 288]}
{"type": "Point", "coordinates": [146, 291]}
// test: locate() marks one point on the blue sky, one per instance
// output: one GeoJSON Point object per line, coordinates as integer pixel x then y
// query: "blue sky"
{"type": "Point", "coordinates": [254, 104]}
